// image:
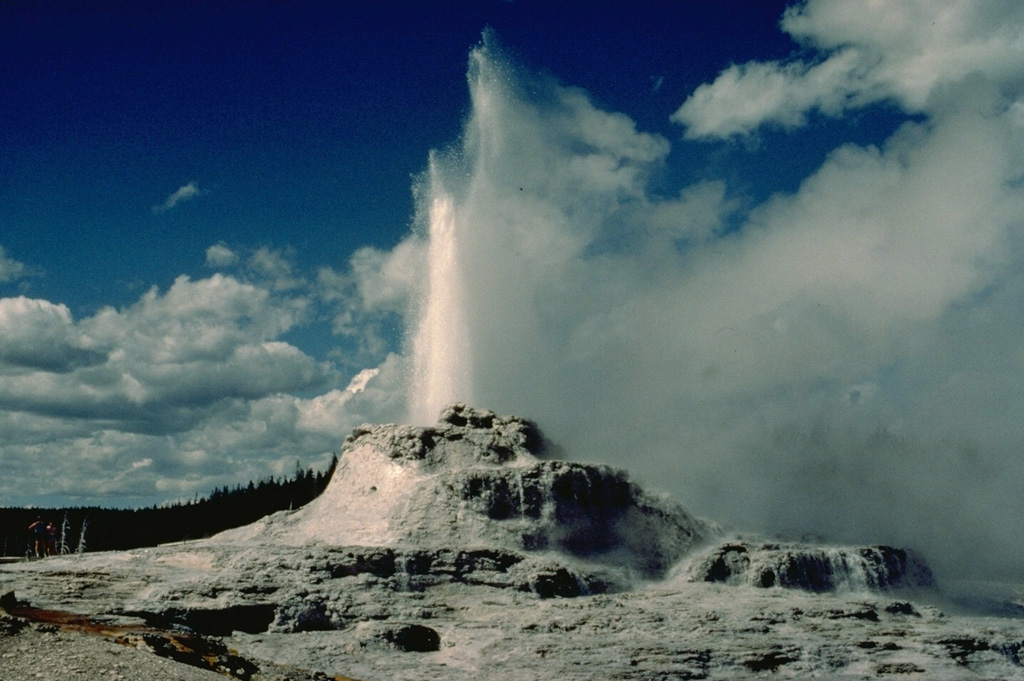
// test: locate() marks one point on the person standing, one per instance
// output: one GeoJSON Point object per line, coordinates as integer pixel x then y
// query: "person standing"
{"type": "Point", "coordinates": [51, 539]}
{"type": "Point", "coordinates": [38, 530]}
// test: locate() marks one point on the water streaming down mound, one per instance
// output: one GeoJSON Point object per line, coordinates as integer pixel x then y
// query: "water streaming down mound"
{"type": "Point", "coordinates": [812, 568]}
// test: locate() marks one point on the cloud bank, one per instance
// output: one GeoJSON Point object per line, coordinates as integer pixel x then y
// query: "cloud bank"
{"type": "Point", "coordinates": [185, 390]}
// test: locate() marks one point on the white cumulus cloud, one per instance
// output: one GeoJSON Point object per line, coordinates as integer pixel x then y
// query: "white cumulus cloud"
{"type": "Point", "coordinates": [196, 380]}
{"type": "Point", "coordinates": [185, 192]}
{"type": "Point", "coordinates": [10, 269]}
{"type": "Point", "coordinates": [219, 255]}
{"type": "Point", "coordinates": [37, 334]}
{"type": "Point", "coordinates": [908, 53]}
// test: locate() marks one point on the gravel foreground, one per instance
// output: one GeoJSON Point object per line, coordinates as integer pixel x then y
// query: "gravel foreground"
{"type": "Point", "coordinates": [59, 646]}
{"type": "Point", "coordinates": [34, 653]}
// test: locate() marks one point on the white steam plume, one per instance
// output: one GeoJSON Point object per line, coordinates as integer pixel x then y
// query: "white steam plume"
{"type": "Point", "coordinates": [847, 362]}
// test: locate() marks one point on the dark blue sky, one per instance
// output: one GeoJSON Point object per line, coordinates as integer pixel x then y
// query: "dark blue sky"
{"type": "Point", "coordinates": [301, 123]}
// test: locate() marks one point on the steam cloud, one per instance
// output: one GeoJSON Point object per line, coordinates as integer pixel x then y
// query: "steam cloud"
{"type": "Point", "coordinates": [846, 363]}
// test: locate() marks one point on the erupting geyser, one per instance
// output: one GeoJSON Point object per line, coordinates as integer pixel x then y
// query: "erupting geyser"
{"type": "Point", "coordinates": [506, 215]}
{"type": "Point", "coordinates": [440, 347]}
{"type": "Point", "coordinates": [477, 335]}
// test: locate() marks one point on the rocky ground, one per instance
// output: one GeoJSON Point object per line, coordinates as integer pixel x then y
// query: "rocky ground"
{"type": "Point", "coordinates": [276, 613]}
{"type": "Point", "coordinates": [61, 646]}
{"type": "Point", "coordinates": [457, 552]}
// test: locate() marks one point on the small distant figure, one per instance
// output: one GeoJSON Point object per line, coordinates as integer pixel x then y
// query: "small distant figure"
{"type": "Point", "coordinates": [51, 539]}
{"type": "Point", "coordinates": [39, 540]}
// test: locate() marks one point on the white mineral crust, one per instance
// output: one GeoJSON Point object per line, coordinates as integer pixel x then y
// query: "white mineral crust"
{"type": "Point", "coordinates": [460, 552]}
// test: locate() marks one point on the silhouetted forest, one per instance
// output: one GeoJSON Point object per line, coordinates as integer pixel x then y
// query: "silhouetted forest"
{"type": "Point", "coordinates": [82, 529]}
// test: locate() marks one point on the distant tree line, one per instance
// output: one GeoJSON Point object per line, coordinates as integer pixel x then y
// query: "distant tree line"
{"type": "Point", "coordinates": [82, 529]}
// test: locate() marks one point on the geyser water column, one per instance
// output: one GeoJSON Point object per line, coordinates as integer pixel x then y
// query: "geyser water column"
{"type": "Point", "coordinates": [510, 214]}
{"type": "Point", "coordinates": [440, 346]}
{"type": "Point", "coordinates": [457, 253]}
